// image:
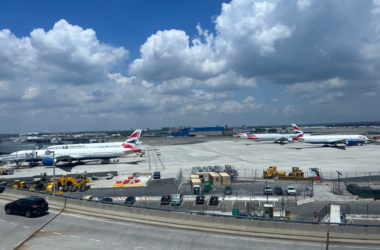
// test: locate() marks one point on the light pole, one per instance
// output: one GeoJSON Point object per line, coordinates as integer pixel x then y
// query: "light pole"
{"type": "Point", "coordinates": [48, 152]}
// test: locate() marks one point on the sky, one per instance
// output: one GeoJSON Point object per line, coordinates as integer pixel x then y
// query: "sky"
{"type": "Point", "coordinates": [116, 65]}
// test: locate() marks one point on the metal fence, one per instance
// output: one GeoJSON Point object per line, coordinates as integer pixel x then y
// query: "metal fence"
{"type": "Point", "coordinates": [363, 209]}
{"type": "Point", "coordinates": [178, 180]}
{"type": "Point", "coordinates": [325, 210]}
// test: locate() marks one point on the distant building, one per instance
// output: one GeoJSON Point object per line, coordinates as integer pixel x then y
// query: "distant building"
{"type": "Point", "coordinates": [226, 127]}
{"type": "Point", "coordinates": [146, 129]}
{"type": "Point", "coordinates": [173, 129]}
{"type": "Point", "coordinates": [181, 127]}
{"type": "Point", "coordinates": [165, 129]}
{"type": "Point", "coordinates": [206, 131]}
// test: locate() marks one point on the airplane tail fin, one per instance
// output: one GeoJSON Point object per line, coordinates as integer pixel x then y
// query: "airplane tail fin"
{"type": "Point", "coordinates": [236, 131]}
{"type": "Point", "coordinates": [297, 131]}
{"type": "Point", "coordinates": [132, 139]}
{"type": "Point", "coordinates": [246, 130]}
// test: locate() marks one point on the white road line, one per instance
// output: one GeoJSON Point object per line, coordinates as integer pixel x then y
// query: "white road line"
{"type": "Point", "coordinates": [56, 233]}
{"type": "Point", "coordinates": [26, 227]}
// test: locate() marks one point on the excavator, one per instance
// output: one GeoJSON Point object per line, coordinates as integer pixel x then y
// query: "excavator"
{"type": "Point", "coordinates": [73, 184]}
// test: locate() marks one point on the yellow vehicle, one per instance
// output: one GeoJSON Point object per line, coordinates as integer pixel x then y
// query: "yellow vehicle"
{"type": "Point", "coordinates": [296, 172]}
{"type": "Point", "coordinates": [37, 185]}
{"type": "Point", "coordinates": [71, 183]}
{"type": "Point", "coordinates": [272, 172]}
{"type": "Point", "coordinates": [49, 187]}
{"type": "Point", "coordinates": [19, 184]}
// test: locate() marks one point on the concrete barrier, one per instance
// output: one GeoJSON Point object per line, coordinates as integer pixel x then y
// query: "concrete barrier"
{"type": "Point", "coordinates": [285, 227]}
{"type": "Point", "coordinates": [300, 202]}
{"type": "Point", "coordinates": [19, 193]}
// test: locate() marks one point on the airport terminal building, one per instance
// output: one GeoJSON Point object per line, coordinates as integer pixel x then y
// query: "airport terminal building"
{"type": "Point", "coordinates": [206, 131]}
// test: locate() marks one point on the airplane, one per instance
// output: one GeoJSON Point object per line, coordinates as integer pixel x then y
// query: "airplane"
{"type": "Point", "coordinates": [239, 135]}
{"type": "Point", "coordinates": [80, 154]}
{"type": "Point", "coordinates": [95, 145]}
{"type": "Point", "coordinates": [349, 140]}
{"type": "Point", "coordinates": [277, 138]}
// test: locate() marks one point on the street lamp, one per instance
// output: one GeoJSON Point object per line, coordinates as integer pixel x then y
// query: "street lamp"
{"type": "Point", "coordinates": [48, 152]}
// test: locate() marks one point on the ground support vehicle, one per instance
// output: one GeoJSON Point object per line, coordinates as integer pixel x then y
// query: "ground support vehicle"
{"type": "Point", "coordinates": [19, 184]}
{"type": "Point", "coordinates": [6, 171]}
{"type": "Point", "coordinates": [272, 172]}
{"type": "Point", "coordinates": [50, 189]}
{"type": "Point", "coordinates": [109, 176]}
{"type": "Point", "coordinates": [297, 174]}
{"type": "Point", "coordinates": [37, 185]}
{"type": "Point", "coordinates": [28, 206]}
{"type": "Point", "coordinates": [73, 184]}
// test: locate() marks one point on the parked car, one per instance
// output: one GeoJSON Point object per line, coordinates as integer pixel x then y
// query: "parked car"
{"type": "Point", "coordinates": [228, 190]}
{"type": "Point", "coordinates": [157, 175]}
{"type": "Point", "coordinates": [214, 200]}
{"type": "Point", "coordinates": [290, 190]}
{"type": "Point", "coordinates": [267, 190]}
{"type": "Point", "coordinates": [107, 200]}
{"type": "Point", "coordinates": [158, 153]}
{"type": "Point", "coordinates": [165, 200]}
{"type": "Point", "coordinates": [28, 206]}
{"type": "Point", "coordinates": [130, 200]}
{"type": "Point", "coordinates": [177, 200]}
{"type": "Point", "coordinates": [200, 199]}
{"type": "Point", "coordinates": [109, 176]}
{"type": "Point", "coordinates": [278, 191]}
{"type": "Point", "coordinates": [342, 217]}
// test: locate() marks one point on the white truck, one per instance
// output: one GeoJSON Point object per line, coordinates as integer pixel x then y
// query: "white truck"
{"type": "Point", "coordinates": [109, 176]}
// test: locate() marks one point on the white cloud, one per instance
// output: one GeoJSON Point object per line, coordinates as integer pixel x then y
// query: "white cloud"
{"type": "Point", "coordinates": [303, 4]}
{"type": "Point", "coordinates": [315, 86]}
{"type": "Point", "coordinates": [289, 110]}
{"type": "Point", "coordinates": [370, 94]}
{"type": "Point", "coordinates": [274, 100]}
{"type": "Point", "coordinates": [327, 98]}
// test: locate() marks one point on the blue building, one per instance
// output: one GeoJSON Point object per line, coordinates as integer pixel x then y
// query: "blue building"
{"type": "Point", "coordinates": [200, 131]}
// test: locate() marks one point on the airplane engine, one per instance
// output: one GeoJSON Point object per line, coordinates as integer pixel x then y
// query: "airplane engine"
{"type": "Point", "coordinates": [47, 161]}
{"type": "Point", "coordinates": [301, 139]}
{"type": "Point", "coordinates": [350, 143]}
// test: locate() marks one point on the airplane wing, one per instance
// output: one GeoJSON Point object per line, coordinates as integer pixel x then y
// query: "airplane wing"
{"type": "Point", "coordinates": [64, 157]}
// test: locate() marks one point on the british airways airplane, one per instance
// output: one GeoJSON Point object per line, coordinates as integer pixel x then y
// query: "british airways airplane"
{"type": "Point", "coordinates": [334, 140]}
{"type": "Point", "coordinates": [81, 154]}
{"type": "Point", "coordinates": [277, 138]}
{"type": "Point", "coordinates": [96, 145]}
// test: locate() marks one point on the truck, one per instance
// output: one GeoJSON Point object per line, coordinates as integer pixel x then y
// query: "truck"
{"type": "Point", "coordinates": [6, 171]}
{"type": "Point", "coordinates": [272, 172]}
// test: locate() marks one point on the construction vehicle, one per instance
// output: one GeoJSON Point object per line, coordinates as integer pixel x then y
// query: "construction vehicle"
{"type": "Point", "coordinates": [37, 185]}
{"type": "Point", "coordinates": [41, 177]}
{"type": "Point", "coordinates": [72, 184]}
{"type": "Point", "coordinates": [50, 185]}
{"type": "Point", "coordinates": [19, 184]}
{"type": "Point", "coordinates": [3, 183]}
{"type": "Point", "coordinates": [298, 174]}
{"type": "Point", "coordinates": [272, 172]}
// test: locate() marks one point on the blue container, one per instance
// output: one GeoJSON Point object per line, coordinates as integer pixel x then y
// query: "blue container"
{"type": "Point", "coordinates": [232, 178]}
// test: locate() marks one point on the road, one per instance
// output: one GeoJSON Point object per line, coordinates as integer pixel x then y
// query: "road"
{"type": "Point", "coordinates": [75, 231]}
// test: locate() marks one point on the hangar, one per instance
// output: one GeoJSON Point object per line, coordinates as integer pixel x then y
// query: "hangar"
{"type": "Point", "coordinates": [206, 131]}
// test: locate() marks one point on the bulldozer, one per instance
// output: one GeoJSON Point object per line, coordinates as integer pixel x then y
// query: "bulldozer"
{"type": "Point", "coordinates": [296, 172]}
{"type": "Point", "coordinates": [73, 184]}
{"type": "Point", "coordinates": [272, 172]}
{"type": "Point", "coordinates": [19, 184]}
{"type": "Point", "coordinates": [37, 185]}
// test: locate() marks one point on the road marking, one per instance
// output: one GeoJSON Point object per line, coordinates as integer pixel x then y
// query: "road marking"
{"type": "Point", "coordinates": [26, 227]}
{"type": "Point", "coordinates": [56, 233]}
{"type": "Point", "coordinates": [14, 224]}
{"type": "Point", "coordinates": [75, 236]}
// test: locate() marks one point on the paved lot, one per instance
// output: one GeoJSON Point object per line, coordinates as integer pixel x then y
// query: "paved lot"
{"type": "Point", "coordinates": [250, 158]}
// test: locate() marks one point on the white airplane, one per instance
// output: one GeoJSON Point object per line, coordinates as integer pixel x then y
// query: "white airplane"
{"type": "Point", "coordinates": [349, 140]}
{"type": "Point", "coordinates": [80, 154]}
{"type": "Point", "coordinates": [277, 138]}
{"type": "Point", "coordinates": [96, 145]}
{"type": "Point", "coordinates": [240, 135]}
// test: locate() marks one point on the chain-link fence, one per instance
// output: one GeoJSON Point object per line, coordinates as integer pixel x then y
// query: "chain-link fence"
{"type": "Point", "coordinates": [362, 209]}
{"type": "Point", "coordinates": [178, 180]}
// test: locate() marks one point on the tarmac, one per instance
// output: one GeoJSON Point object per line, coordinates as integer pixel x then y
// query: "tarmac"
{"type": "Point", "coordinates": [250, 158]}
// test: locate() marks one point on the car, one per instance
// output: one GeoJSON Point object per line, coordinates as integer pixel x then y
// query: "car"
{"type": "Point", "coordinates": [290, 190]}
{"type": "Point", "coordinates": [109, 176]}
{"type": "Point", "coordinates": [342, 217]}
{"type": "Point", "coordinates": [177, 200]}
{"type": "Point", "coordinates": [158, 153]}
{"type": "Point", "coordinates": [228, 190]}
{"type": "Point", "coordinates": [107, 200]}
{"type": "Point", "coordinates": [28, 206]}
{"type": "Point", "coordinates": [214, 200]}
{"type": "Point", "coordinates": [165, 199]}
{"type": "Point", "coordinates": [130, 200]}
{"type": "Point", "coordinates": [278, 191]}
{"type": "Point", "coordinates": [157, 175]}
{"type": "Point", "coordinates": [200, 199]}
{"type": "Point", "coordinates": [267, 190]}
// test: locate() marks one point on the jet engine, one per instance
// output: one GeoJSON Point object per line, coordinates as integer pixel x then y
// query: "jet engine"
{"type": "Point", "coordinates": [47, 161]}
{"type": "Point", "coordinates": [350, 143]}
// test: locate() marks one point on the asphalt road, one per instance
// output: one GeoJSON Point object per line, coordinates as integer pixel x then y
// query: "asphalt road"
{"type": "Point", "coordinates": [74, 231]}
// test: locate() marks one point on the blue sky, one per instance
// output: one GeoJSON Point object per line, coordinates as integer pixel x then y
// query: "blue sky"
{"type": "Point", "coordinates": [120, 64]}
